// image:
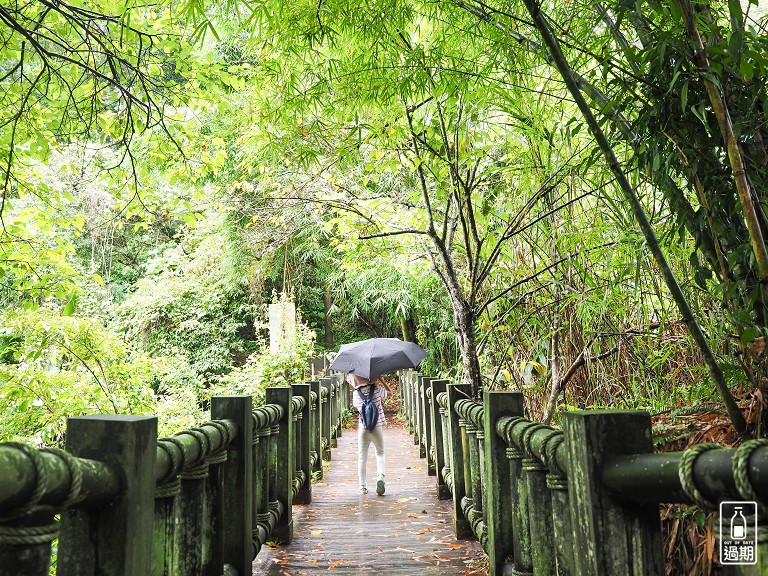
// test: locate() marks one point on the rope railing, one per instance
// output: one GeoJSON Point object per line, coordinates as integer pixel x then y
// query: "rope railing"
{"type": "Point", "coordinates": [52, 478]}
{"type": "Point", "coordinates": [203, 501]}
{"type": "Point", "coordinates": [544, 501]}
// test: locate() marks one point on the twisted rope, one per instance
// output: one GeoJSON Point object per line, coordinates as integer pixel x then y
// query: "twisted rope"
{"type": "Point", "coordinates": [198, 470]}
{"type": "Point", "coordinates": [168, 489]}
{"type": "Point", "coordinates": [550, 449]}
{"type": "Point", "coordinates": [685, 473]}
{"type": "Point", "coordinates": [26, 535]}
{"type": "Point", "coordinates": [38, 489]}
{"type": "Point", "coordinates": [741, 472]}
{"type": "Point", "coordinates": [170, 485]}
{"type": "Point", "coordinates": [75, 468]}
{"type": "Point", "coordinates": [218, 457]}
{"type": "Point", "coordinates": [528, 433]}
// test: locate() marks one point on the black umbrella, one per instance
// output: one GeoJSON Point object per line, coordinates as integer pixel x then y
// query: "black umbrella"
{"type": "Point", "coordinates": [377, 356]}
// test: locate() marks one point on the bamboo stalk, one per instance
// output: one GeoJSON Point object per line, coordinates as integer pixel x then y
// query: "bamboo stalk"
{"type": "Point", "coordinates": [562, 65]}
{"type": "Point", "coordinates": [723, 115]}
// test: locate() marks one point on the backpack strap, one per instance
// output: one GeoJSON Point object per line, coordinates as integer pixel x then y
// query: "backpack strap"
{"type": "Point", "coordinates": [369, 396]}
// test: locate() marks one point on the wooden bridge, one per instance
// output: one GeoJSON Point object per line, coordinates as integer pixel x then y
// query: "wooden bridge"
{"type": "Point", "coordinates": [212, 500]}
{"type": "Point", "coordinates": [342, 532]}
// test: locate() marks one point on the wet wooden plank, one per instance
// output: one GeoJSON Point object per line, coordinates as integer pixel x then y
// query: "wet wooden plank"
{"type": "Point", "coordinates": [406, 531]}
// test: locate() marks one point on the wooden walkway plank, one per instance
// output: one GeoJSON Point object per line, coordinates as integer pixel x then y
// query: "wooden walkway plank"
{"type": "Point", "coordinates": [342, 532]}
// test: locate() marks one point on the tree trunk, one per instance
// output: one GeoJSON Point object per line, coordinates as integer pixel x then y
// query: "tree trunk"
{"type": "Point", "coordinates": [406, 329]}
{"type": "Point", "coordinates": [464, 320]}
{"type": "Point", "coordinates": [327, 319]}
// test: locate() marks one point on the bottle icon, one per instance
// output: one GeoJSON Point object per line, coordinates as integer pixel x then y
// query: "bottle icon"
{"type": "Point", "coordinates": [738, 525]}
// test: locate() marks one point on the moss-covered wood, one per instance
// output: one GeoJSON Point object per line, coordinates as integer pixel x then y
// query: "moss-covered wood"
{"type": "Point", "coordinates": [316, 414]}
{"type": "Point", "coordinates": [438, 418]}
{"type": "Point", "coordinates": [461, 527]}
{"type": "Point", "coordinates": [303, 445]}
{"type": "Point", "coordinates": [499, 505]}
{"type": "Point", "coordinates": [610, 537]}
{"type": "Point", "coordinates": [237, 481]}
{"type": "Point", "coordinates": [325, 419]}
{"type": "Point", "coordinates": [114, 540]}
{"type": "Point", "coordinates": [285, 463]}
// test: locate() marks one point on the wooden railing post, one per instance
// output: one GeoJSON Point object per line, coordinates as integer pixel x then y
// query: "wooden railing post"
{"type": "Point", "coordinates": [406, 395]}
{"type": "Point", "coordinates": [461, 526]}
{"type": "Point", "coordinates": [473, 436]}
{"type": "Point", "coordinates": [611, 538]}
{"type": "Point", "coordinates": [343, 396]}
{"type": "Point", "coordinates": [191, 507]}
{"type": "Point", "coordinates": [212, 549]}
{"type": "Point", "coordinates": [286, 462]}
{"type": "Point", "coordinates": [543, 547]}
{"type": "Point", "coordinates": [316, 413]}
{"type": "Point", "coordinates": [499, 506]}
{"type": "Point", "coordinates": [325, 419]}
{"type": "Point", "coordinates": [415, 408]}
{"type": "Point", "coordinates": [304, 445]}
{"type": "Point", "coordinates": [334, 403]}
{"type": "Point", "coordinates": [429, 410]}
{"type": "Point", "coordinates": [421, 409]}
{"type": "Point", "coordinates": [562, 525]}
{"type": "Point", "coordinates": [237, 480]}
{"type": "Point", "coordinates": [115, 540]}
{"type": "Point", "coordinates": [260, 455]}
{"type": "Point", "coordinates": [439, 387]}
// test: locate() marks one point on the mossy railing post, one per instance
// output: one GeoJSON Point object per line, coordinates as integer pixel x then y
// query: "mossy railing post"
{"type": "Point", "coordinates": [316, 413]}
{"type": "Point", "coordinates": [499, 505]}
{"type": "Point", "coordinates": [213, 559]}
{"type": "Point", "coordinates": [420, 411]}
{"type": "Point", "coordinates": [562, 525]}
{"type": "Point", "coordinates": [406, 397]}
{"type": "Point", "coordinates": [334, 403]}
{"type": "Point", "coordinates": [32, 558]}
{"type": "Point", "coordinates": [461, 527]}
{"type": "Point", "coordinates": [115, 540]}
{"type": "Point", "coordinates": [438, 418]}
{"type": "Point", "coordinates": [472, 436]}
{"type": "Point", "coordinates": [166, 553]}
{"type": "Point", "coordinates": [325, 418]}
{"type": "Point", "coordinates": [342, 404]}
{"type": "Point", "coordinates": [519, 525]}
{"type": "Point", "coordinates": [429, 443]}
{"type": "Point", "coordinates": [285, 462]}
{"type": "Point", "coordinates": [260, 457]}
{"type": "Point", "coordinates": [543, 556]}
{"type": "Point", "coordinates": [415, 384]}
{"type": "Point", "coordinates": [237, 475]}
{"type": "Point", "coordinates": [304, 445]}
{"type": "Point", "coordinates": [190, 508]}
{"type": "Point", "coordinates": [610, 538]}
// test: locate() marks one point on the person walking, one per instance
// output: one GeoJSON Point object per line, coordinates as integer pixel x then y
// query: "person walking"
{"type": "Point", "coordinates": [376, 390]}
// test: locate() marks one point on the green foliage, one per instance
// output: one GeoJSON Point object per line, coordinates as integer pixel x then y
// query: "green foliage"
{"type": "Point", "coordinates": [194, 300]}
{"type": "Point", "coordinates": [55, 366]}
{"type": "Point", "coordinates": [265, 368]}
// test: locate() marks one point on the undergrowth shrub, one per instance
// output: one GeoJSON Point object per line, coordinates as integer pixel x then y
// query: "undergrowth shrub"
{"type": "Point", "coordinates": [265, 368]}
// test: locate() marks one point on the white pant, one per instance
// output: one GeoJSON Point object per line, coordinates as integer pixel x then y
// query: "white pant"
{"type": "Point", "coordinates": [364, 439]}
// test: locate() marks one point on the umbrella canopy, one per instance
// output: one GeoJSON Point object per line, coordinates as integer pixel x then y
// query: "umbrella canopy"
{"type": "Point", "coordinates": [377, 356]}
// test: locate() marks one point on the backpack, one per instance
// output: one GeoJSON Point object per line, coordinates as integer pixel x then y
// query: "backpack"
{"type": "Point", "coordinates": [369, 412]}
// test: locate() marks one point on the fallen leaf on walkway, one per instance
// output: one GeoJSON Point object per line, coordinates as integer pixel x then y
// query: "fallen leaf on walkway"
{"type": "Point", "coordinates": [316, 532]}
